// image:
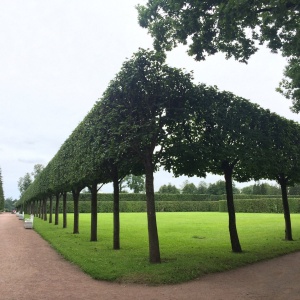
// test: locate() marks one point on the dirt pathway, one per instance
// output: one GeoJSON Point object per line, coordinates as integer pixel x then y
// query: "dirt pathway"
{"type": "Point", "coordinates": [31, 269]}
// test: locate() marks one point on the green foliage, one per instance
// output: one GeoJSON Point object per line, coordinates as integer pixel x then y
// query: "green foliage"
{"type": "Point", "coordinates": [185, 206]}
{"type": "Point", "coordinates": [135, 183]}
{"type": "Point", "coordinates": [280, 139]}
{"type": "Point", "coordinates": [290, 85]}
{"type": "Point", "coordinates": [261, 189]}
{"type": "Point", "coordinates": [233, 27]}
{"type": "Point", "coordinates": [189, 188]}
{"type": "Point", "coordinates": [9, 204]}
{"type": "Point", "coordinates": [37, 169]}
{"type": "Point", "coordinates": [294, 190]}
{"type": "Point", "coordinates": [186, 202]}
{"type": "Point", "coordinates": [202, 187]}
{"type": "Point", "coordinates": [170, 205]}
{"type": "Point", "coordinates": [218, 188]}
{"type": "Point", "coordinates": [168, 189]}
{"type": "Point", "coordinates": [24, 183]}
{"type": "Point", "coordinates": [266, 205]}
{"type": "Point", "coordinates": [248, 190]}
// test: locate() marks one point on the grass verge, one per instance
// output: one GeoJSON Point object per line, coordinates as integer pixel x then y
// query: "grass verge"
{"type": "Point", "coordinates": [192, 244]}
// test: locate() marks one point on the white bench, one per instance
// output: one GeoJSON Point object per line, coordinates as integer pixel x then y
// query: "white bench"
{"type": "Point", "coordinates": [21, 216]}
{"type": "Point", "coordinates": [28, 223]}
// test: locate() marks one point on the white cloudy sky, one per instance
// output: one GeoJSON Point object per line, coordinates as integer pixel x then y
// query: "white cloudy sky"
{"type": "Point", "coordinates": [57, 57]}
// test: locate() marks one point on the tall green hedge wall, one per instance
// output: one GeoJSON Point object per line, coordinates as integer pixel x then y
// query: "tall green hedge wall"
{"type": "Point", "coordinates": [137, 203]}
{"type": "Point", "coordinates": [262, 205]}
{"type": "Point", "coordinates": [174, 197]}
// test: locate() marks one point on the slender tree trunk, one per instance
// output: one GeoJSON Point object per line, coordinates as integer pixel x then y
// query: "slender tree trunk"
{"type": "Point", "coordinates": [286, 209]}
{"type": "Point", "coordinates": [234, 238]}
{"type": "Point", "coordinates": [40, 209]}
{"type": "Point", "coordinates": [94, 212]}
{"type": "Point", "coordinates": [116, 239]}
{"type": "Point", "coordinates": [76, 193]}
{"type": "Point", "coordinates": [33, 208]}
{"type": "Point", "coordinates": [50, 209]}
{"type": "Point", "coordinates": [56, 208]}
{"type": "Point", "coordinates": [45, 208]}
{"type": "Point", "coordinates": [154, 252]}
{"type": "Point", "coordinates": [65, 210]}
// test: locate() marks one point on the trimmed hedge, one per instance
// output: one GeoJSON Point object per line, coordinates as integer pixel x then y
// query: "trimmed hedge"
{"type": "Point", "coordinates": [142, 197]}
{"type": "Point", "coordinates": [140, 206]}
{"type": "Point", "coordinates": [261, 206]}
{"type": "Point", "coordinates": [183, 197]}
{"type": "Point", "coordinates": [131, 203]}
{"type": "Point", "coordinates": [250, 197]}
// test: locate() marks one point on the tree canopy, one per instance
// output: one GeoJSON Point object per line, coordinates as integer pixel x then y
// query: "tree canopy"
{"type": "Point", "coordinates": [189, 188]}
{"type": "Point", "coordinates": [294, 190]}
{"type": "Point", "coordinates": [142, 100]}
{"type": "Point", "coordinates": [24, 182]}
{"type": "Point", "coordinates": [168, 189]}
{"type": "Point", "coordinates": [135, 183]}
{"type": "Point", "coordinates": [261, 189]}
{"type": "Point", "coordinates": [236, 28]}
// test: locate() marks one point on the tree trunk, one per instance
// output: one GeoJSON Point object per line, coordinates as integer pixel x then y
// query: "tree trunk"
{"type": "Point", "coordinates": [40, 209]}
{"type": "Point", "coordinates": [45, 208]}
{"type": "Point", "coordinates": [76, 193]}
{"type": "Point", "coordinates": [56, 208]}
{"type": "Point", "coordinates": [94, 212]}
{"type": "Point", "coordinates": [50, 209]}
{"type": "Point", "coordinates": [116, 239]}
{"type": "Point", "coordinates": [154, 253]}
{"type": "Point", "coordinates": [286, 210]}
{"type": "Point", "coordinates": [33, 208]}
{"type": "Point", "coordinates": [234, 238]}
{"type": "Point", "coordinates": [65, 210]}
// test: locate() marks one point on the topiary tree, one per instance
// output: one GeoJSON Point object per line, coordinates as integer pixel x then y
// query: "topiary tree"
{"type": "Point", "coordinates": [281, 158]}
{"type": "Point", "coordinates": [143, 98]}
{"type": "Point", "coordinates": [219, 136]}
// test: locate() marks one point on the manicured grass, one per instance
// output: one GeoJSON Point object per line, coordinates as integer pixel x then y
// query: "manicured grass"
{"type": "Point", "coordinates": [192, 244]}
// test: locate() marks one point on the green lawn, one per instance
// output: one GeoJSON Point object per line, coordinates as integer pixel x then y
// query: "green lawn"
{"type": "Point", "coordinates": [192, 244]}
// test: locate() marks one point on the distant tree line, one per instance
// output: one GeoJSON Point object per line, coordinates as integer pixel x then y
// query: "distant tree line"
{"type": "Point", "coordinates": [218, 188]}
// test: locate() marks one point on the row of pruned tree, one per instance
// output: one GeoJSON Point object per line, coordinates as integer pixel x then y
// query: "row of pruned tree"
{"type": "Point", "coordinates": [153, 115]}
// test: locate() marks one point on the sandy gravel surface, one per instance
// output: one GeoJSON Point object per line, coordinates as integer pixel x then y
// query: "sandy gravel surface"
{"type": "Point", "coordinates": [31, 269]}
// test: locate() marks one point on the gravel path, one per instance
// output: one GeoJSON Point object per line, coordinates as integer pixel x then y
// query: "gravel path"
{"type": "Point", "coordinates": [31, 269]}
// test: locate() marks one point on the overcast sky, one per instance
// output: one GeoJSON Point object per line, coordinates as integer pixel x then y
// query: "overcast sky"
{"type": "Point", "coordinates": [57, 58]}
